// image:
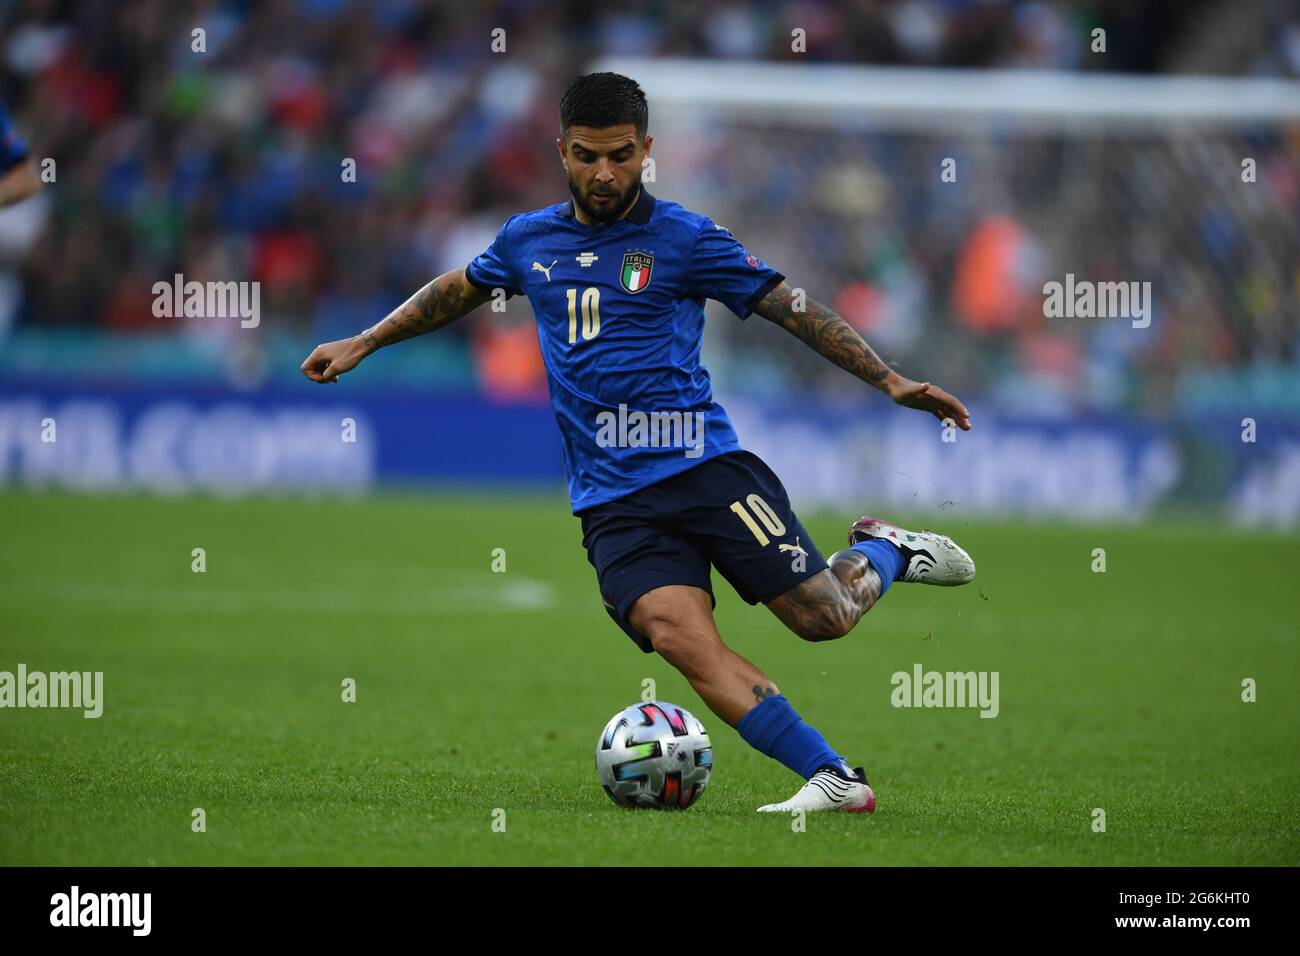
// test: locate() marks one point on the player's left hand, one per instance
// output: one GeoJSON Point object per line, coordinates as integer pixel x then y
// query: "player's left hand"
{"type": "Point", "coordinates": [929, 398]}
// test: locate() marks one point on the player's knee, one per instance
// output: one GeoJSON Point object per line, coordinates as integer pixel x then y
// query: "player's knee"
{"type": "Point", "coordinates": [685, 647]}
{"type": "Point", "coordinates": [674, 638]}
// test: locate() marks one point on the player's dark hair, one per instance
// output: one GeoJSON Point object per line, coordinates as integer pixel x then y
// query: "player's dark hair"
{"type": "Point", "coordinates": [604, 99]}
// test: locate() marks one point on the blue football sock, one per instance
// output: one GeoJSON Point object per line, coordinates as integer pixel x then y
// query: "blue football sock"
{"type": "Point", "coordinates": [885, 558]}
{"type": "Point", "coordinates": [774, 729]}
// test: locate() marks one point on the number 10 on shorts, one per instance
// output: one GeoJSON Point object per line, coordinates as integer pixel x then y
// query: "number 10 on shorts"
{"type": "Point", "coordinates": [765, 514]}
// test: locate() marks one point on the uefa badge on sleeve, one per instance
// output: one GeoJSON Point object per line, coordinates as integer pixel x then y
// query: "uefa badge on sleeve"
{"type": "Point", "coordinates": [635, 274]}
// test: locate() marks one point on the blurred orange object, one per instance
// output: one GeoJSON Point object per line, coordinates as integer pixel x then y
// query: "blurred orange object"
{"type": "Point", "coordinates": [987, 292]}
{"type": "Point", "coordinates": [509, 361]}
{"type": "Point", "coordinates": [861, 304]}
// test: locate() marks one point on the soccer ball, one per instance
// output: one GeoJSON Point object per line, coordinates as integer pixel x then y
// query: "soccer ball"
{"type": "Point", "coordinates": [654, 755]}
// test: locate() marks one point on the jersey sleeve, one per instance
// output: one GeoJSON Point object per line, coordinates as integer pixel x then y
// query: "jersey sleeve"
{"type": "Point", "coordinates": [13, 148]}
{"type": "Point", "coordinates": [494, 268]}
{"type": "Point", "coordinates": [722, 269]}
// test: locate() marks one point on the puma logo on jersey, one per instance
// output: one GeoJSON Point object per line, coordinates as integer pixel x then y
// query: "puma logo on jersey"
{"type": "Point", "coordinates": [538, 267]}
{"type": "Point", "coordinates": [791, 547]}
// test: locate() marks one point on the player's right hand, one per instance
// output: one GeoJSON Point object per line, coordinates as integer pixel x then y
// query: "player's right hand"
{"type": "Point", "coordinates": [327, 362]}
{"type": "Point", "coordinates": [929, 398]}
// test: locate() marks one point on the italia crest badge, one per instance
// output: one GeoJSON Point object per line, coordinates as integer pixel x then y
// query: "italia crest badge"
{"type": "Point", "coordinates": [635, 274]}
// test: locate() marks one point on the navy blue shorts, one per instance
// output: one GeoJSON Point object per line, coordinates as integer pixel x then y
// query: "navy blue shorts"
{"type": "Point", "coordinates": [730, 512]}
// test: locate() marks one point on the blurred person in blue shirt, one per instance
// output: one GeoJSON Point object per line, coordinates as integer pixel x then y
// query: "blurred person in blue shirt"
{"type": "Point", "coordinates": [18, 179]}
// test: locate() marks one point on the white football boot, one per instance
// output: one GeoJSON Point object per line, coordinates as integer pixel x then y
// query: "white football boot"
{"type": "Point", "coordinates": [828, 790]}
{"type": "Point", "coordinates": [932, 558]}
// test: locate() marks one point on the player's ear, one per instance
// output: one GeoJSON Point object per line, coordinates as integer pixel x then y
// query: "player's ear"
{"type": "Point", "coordinates": [559, 144]}
{"type": "Point", "coordinates": [645, 147]}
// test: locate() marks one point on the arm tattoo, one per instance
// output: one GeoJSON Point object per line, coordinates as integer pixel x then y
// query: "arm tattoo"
{"type": "Point", "coordinates": [762, 693]}
{"type": "Point", "coordinates": [425, 311]}
{"type": "Point", "coordinates": [825, 332]}
{"type": "Point", "coordinates": [442, 301]}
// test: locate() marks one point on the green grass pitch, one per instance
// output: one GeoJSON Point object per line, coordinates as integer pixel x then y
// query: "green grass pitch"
{"type": "Point", "coordinates": [477, 691]}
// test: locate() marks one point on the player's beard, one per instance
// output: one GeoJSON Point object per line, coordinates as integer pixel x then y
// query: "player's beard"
{"type": "Point", "coordinates": [610, 211]}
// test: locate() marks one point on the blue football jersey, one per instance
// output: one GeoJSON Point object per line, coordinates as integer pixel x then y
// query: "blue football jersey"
{"type": "Point", "coordinates": [13, 148]}
{"type": "Point", "coordinates": [620, 321]}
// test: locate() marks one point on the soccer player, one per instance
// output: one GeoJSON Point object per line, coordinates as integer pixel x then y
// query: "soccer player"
{"type": "Point", "coordinates": [17, 178]}
{"type": "Point", "coordinates": [617, 281]}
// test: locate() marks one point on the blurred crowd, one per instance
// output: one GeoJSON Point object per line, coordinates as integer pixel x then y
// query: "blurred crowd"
{"type": "Point", "coordinates": [212, 140]}
{"type": "Point", "coordinates": [947, 279]}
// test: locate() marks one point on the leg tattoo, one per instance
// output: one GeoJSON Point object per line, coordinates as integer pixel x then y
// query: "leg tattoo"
{"type": "Point", "coordinates": [856, 573]}
{"type": "Point", "coordinates": [827, 605]}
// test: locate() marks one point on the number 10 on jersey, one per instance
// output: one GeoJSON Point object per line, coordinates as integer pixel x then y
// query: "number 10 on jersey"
{"type": "Point", "coordinates": [590, 313]}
